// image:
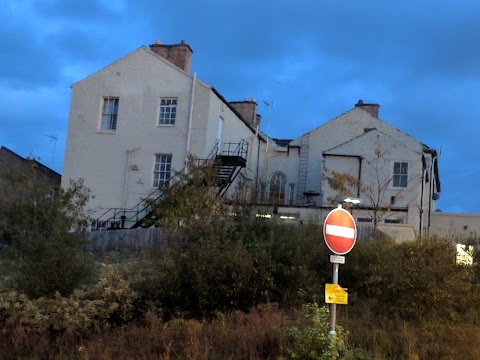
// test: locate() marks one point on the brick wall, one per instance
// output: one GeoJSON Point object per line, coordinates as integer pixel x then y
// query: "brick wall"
{"type": "Point", "coordinates": [178, 54]}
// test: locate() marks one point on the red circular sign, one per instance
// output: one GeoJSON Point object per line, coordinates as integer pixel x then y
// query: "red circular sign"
{"type": "Point", "coordinates": [340, 231]}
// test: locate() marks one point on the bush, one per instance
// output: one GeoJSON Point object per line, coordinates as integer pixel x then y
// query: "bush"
{"type": "Point", "coordinates": [45, 238]}
{"type": "Point", "coordinates": [312, 341]}
{"type": "Point", "coordinates": [110, 302]}
{"type": "Point", "coordinates": [412, 280]}
{"type": "Point", "coordinates": [261, 262]}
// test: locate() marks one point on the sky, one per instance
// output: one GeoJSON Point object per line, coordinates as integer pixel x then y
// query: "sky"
{"type": "Point", "coordinates": [309, 60]}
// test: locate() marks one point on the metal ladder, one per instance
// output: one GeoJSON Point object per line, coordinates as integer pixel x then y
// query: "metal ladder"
{"type": "Point", "coordinates": [303, 169]}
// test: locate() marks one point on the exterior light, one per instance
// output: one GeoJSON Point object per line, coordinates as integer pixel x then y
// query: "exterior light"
{"type": "Point", "coordinates": [350, 200]}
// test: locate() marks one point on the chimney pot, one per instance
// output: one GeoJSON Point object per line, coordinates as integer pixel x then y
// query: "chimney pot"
{"type": "Point", "coordinates": [178, 54]}
{"type": "Point", "coordinates": [372, 109]}
{"type": "Point", "coordinates": [247, 110]}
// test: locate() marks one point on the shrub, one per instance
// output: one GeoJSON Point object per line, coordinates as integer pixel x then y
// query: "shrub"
{"type": "Point", "coordinates": [45, 239]}
{"type": "Point", "coordinates": [312, 341]}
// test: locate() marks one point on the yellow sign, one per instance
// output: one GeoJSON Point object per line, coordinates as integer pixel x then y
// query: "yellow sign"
{"type": "Point", "coordinates": [335, 294]}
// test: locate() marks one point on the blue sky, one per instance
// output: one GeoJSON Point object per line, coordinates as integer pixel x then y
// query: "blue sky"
{"type": "Point", "coordinates": [311, 60]}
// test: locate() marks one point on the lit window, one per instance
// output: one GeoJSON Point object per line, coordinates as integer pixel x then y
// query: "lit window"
{"type": "Point", "coordinates": [276, 193]}
{"type": "Point", "coordinates": [162, 170]}
{"type": "Point", "coordinates": [109, 114]}
{"type": "Point", "coordinates": [400, 174]}
{"type": "Point", "coordinates": [168, 111]}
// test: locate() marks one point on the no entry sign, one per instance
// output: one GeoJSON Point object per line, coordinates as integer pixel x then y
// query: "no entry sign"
{"type": "Point", "coordinates": [340, 231]}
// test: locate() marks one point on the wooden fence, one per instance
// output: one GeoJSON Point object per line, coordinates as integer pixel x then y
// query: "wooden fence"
{"type": "Point", "coordinates": [126, 239]}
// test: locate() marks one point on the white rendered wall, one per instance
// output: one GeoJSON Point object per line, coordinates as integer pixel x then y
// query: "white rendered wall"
{"type": "Point", "coordinates": [139, 81]}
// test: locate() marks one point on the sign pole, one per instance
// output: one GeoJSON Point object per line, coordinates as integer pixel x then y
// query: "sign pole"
{"type": "Point", "coordinates": [333, 307]}
{"type": "Point", "coordinates": [340, 234]}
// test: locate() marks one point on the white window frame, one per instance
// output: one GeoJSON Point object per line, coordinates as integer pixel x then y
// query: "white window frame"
{"type": "Point", "coordinates": [162, 170]}
{"type": "Point", "coordinates": [406, 176]}
{"type": "Point", "coordinates": [109, 114]}
{"type": "Point", "coordinates": [281, 191]}
{"type": "Point", "coordinates": [291, 194]}
{"type": "Point", "coordinates": [167, 114]}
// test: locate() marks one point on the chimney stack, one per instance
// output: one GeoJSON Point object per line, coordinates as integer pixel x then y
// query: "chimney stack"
{"type": "Point", "coordinates": [178, 54]}
{"type": "Point", "coordinates": [372, 109]}
{"type": "Point", "coordinates": [247, 110]}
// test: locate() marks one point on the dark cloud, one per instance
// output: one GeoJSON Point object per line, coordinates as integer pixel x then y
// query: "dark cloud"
{"type": "Point", "coordinates": [22, 59]}
{"type": "Point", "coordinates": [311, 60]}
{"type": "Point", "coordinates": [84, 11]}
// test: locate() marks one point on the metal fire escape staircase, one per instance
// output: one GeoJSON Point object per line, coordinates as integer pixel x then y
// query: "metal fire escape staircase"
{"type": "Point", "coordinates": [303, 169]}
{"type": "Point", "coordinates": [227, 164]}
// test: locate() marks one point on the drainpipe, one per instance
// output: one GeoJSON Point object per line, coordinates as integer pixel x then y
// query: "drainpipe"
{"type": "Point", "coordinates": [359, 175]}
{"type": "Point", "coordinates": [430, 194]}
{"type": "Point", "coordinates": [421, 198]}
{"type": "Point", "coordinates": [125, 186]}
{"type": "Point", "coordinates": [189, 131]}
{"type": "Point", "coordinates": [258, 160]}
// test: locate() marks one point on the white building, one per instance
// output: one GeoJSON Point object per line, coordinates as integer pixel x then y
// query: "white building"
{"type": "Point", "coordinates": [133, 123]}
{"type": "Point", "coordinates": [396, 174]}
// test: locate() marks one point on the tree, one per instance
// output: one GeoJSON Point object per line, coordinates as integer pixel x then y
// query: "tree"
{"type": "Point", "coordinates": [191, 206]}
{"type": "Point", "coordinates": [376, 194]}
{"type": "Point", "coordinates": [43, 230]}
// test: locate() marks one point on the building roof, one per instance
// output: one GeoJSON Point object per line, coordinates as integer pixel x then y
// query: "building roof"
{"type": "Point", "coordinates": [282, 142]}
{"type": "Point", "coordinates": [39, 166]}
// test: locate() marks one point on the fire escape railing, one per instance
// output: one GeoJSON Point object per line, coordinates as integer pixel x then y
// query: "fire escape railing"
{"type": "Point", "coordinates": [230, 159]}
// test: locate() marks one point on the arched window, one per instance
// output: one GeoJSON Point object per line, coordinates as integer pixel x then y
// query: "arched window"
{"type": "Point", "coordinates": [276, 194]}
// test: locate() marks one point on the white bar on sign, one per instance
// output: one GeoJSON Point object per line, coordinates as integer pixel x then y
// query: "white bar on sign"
{"type": "Point", "coordinates": [341, 231]}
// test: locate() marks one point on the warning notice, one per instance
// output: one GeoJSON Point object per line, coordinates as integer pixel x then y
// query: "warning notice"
{"type": "Point", "coordinates": [335, 294]}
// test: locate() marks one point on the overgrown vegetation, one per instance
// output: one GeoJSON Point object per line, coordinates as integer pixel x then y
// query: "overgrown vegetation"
{"type": "Point", "coordinates": [43, 229]}
{"type": "Point", "coordinates": [228, 286]}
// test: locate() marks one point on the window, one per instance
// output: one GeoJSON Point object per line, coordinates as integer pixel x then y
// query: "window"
{"type": "Point", "coordinates": [168, 111]}
{"type": "Point", "coordinates": [393, 221]}
{"type": "Point", "coordinates": [400, 174]}
{"type": "Point", "coordinates": [364, 220]}
{"type": "Point", "coordinates": [162, 170]}
{"type": "Point", "coordinates": [109, 114]}
{"type": "Point", "coordinates": [291, 194]}
{"type": "Point", "coordinates": [277, 189]}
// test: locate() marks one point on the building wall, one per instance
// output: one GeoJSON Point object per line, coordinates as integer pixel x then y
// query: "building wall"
{"type": "Point", "coordinates": [352, 136]}
{"type": "Point", "coordinates": [282, 160]}
{"type": "Point", "coordinates": [139, 80]}
{"type": "Point", "coordinates": [234, 130]}
{"type": "Point", "coordinates": [455, 226]}
{"type": "Point", "coordinates": [13, 164]}
{"type": "Point", "coordinates": [118, 166]}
